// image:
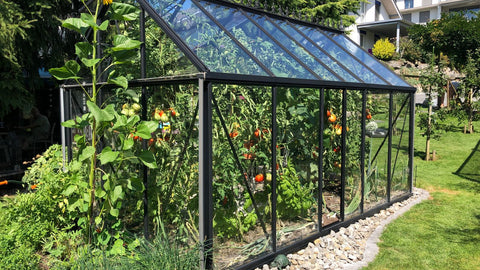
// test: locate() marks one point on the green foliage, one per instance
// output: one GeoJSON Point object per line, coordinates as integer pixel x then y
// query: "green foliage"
{"type": "Point", "coordinates": [454, 35]}
{"type": "Point", "coordinates": [383, 49]}
{"type": "Point", "coordinates": [30, 217]}
{"type": "Point", "coordinates": [432, 81]}
{"type": "Point", "coordinates": [466, 103]}
{"type": "Point", "coordinates": [330, 11]}
{"type": "Point", "coordinates": [294, 199]}
{"type": "Point", "coordinates": [13, 27]}
{"type": "Point", "coordinates": [409, 50]}
{"type": "Point", "coordinates": [105, 198]}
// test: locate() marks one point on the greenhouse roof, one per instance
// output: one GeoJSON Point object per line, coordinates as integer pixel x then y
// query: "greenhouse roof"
{"type": "Point", "coordinates": [226, 40]}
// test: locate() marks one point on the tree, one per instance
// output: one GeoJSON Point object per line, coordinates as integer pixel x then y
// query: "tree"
{"type": "Point", "coordinates": [470, 88]}
{"type": "Point", "coordinates": [13, 26]}
{"type": "Point", "coordinates": [453, 35]}
{"type": "Point", "coordinates": [332, 11]}
{"type": "Point", "coordinates": [458, 37]}
{"type": "Point", "coordinates": [30, 39]}
{"type": "Point", "coordinates": [432, 82]}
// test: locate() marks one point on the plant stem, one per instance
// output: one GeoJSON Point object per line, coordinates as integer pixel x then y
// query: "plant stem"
{"type": "Point", "coordinates": [93, 161]}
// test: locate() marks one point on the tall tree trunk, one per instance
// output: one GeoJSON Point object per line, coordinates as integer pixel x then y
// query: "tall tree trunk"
{"type": "Point", "coordinates": [470, 111]}
{"type": "Point", "coordinates": [428, 132]}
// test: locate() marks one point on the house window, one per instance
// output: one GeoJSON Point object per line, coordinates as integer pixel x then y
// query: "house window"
{"type": "Point", "coordinates": [408, 4]}
{"type": "Point", "coordinates": [362, 40]}
{"type": "Point", "coordinates": [424, 16]}
{"type": "Point", "coordinates": [363, 8]}
{"type": "Point", "coordinates": [407, 17]}
{"type": "Point", "coordinates": [377, 10]}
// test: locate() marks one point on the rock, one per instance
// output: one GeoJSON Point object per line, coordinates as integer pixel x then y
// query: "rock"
{"type": "Point", "coordinates": [342, 248]}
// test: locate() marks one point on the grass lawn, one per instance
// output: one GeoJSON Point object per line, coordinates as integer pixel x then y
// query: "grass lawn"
{"type": "Point", "coordinates": [442, 232]}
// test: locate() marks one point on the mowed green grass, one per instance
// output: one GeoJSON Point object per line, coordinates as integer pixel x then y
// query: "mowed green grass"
{"type": "Point", "coordinates": [442, 232]}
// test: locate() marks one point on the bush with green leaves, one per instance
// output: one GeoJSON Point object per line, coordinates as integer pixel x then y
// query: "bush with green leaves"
{"type": "Point", "coordinates": [383, 49]}
{"type": "Point", "coordinates": [36, 214]}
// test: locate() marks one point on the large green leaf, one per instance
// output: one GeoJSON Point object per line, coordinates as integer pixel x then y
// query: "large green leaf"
{"type": "Point", "coordinates": [117, 194]}
{"type": "Point", "coordinates": [117, 248]}
{"type": "Point", "coordinates": [148, 159]}
{"type": "Point", "coordinates": [89, 20]}
{"type": "Point", "coordinates": [69, 71]}
{"type": "Point", "coordinates": [107, 155]}
{"type": "Point", "coordinates": [121, 42]}
{"type": "Point", "coordinates": [146, 128]}
{"type": "Point", "coordinates": [101, 115]}
{"type": "Point", "coordinates": [86, 153]}
{"type": "Point", "coordinates": [83, 49]}
{"type": "Point", "coordinates": [124, 56]}
{"type": "Point", "coordinates": [123, 12]}
{"type": "Point", "coordinates": [120, 81]}
{"type": "Point", "coordinates": [75, 24]}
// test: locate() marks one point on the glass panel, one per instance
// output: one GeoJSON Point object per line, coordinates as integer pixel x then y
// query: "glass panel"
{"type": "Point", "coordinates": [368, 60]}
{"type": "Point", "coordinates": [217, 51]}
{"type": "Point", "coordinates": [332, 158]}
{"type": "Point", "coordinates": [330, 62]}
{"type": "Point", "coordinates": [296, 50]}
{"type": "Point", "coordinates": [241, 233]}
{"type": "Point", "coordinates": [258, 43]}
{"type": "Point", "coordinates": [162, 56]}
{"type": "Point", "coordinates": [353, 183]}
{"type": "Point", "coordinates": [340, 55]}
{"type": "Point", "coordinates": [297, 180]}
{"type": "Point", "coordinates": [400, 140]}
{"type": "Point", "coordinates": [376, 151]}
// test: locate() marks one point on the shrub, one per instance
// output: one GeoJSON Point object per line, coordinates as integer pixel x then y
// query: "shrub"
{"type": "Point", "coordinates": [409, 50]}
{"type": "Point", "coordinates": [383, 49]}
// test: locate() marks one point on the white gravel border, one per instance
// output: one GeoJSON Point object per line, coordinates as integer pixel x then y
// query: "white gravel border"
{"type": "Point", "coordinates": [371, 248]}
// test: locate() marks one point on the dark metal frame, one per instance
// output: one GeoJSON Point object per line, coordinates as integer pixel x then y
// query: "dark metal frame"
{"type": "Point", "coordinates": [206, 79]}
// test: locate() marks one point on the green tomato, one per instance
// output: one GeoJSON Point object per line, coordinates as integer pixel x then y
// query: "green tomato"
{"type": "Point", "coordinates": [136, 107]}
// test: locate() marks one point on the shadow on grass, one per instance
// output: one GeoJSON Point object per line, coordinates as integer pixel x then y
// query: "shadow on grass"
{"type": "Point", "coordinates": [462, 235]}
{"type": "Point", "coordinates": [419, 154]}
{"type": "Point", "coordinates": [470, 169]}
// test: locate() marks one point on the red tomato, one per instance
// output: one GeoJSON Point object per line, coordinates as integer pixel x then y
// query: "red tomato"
{"type": "Point", "coordinates": [233, 134]}
{"type": "Point", "coordinates": [332, 118]}
{"type": "Point", "coordinates": [328, 113]}
{"type": "Point", "coordinates": [369, 116]}
{"type": "Point", "coordinates": [257, 133]}
{"type": "Point", "coordinates": [151, 141]}
{"type": "Point", "coordinates": [135, 138]}
{"type": "Point", "coordinates": [259, 178]}
{"type": "Point", "coordinates": [225, 200]}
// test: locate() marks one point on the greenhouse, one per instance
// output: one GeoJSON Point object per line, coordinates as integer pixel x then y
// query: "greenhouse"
{"type": "Point", "coordinates": [279, 131]}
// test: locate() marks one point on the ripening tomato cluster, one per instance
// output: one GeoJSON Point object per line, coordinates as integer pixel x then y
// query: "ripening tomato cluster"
{"type": "Point", "coordinates": [368, 114]}
{"type": "Point", "coordinates": [162, 115]}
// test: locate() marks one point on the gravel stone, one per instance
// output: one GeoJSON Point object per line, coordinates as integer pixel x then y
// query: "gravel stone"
{"type": "Point", "coordinates": [352, 247]}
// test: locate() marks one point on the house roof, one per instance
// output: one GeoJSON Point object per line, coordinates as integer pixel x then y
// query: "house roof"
{"type": "Point", "coordinates": [387, 27]}
{"type": "Point", "coordinates": [227, 40]}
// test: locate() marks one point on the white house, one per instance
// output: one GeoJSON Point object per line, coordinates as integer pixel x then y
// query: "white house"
{"type": "Point", "coordinates": [391, 18]}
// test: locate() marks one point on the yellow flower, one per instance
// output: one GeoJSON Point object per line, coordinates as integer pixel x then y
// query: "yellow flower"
{"type": "Point", "coordinates": [107, 2]}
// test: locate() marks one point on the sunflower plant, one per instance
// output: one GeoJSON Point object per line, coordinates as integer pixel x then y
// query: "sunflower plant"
{"type": "Point", "coordinates": [101, 198]}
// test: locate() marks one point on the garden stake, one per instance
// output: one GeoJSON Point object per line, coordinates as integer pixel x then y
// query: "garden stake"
{"type": "Point", "coordinates": [240, 167]}
{"type": "Point", "coordinates": [182, 154]}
